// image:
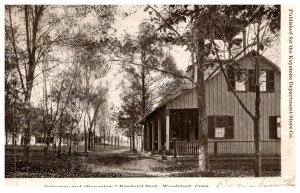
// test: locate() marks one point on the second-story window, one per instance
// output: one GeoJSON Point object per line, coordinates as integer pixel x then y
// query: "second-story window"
{"type": "Point", "coordinates": [241, 80]}
{"type": "Point", "coordinates": [263, 81]}
{"type": "Point", "coordinates": [244, 80]}
{"type": "Point", "coordinates": [266, 80]}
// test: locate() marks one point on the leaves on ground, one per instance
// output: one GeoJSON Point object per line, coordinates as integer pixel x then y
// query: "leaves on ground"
{"type": "Point", "coordinates": [119, 163]}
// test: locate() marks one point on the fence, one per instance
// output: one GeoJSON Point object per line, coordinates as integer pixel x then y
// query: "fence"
{"type": "Point", "coordinates": [183, 148]}
{"type": "Point", "coordinates": [186, 148]}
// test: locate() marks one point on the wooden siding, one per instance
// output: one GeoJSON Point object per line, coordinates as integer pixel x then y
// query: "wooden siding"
{"type": "Point", "coordinates": [220, 101]}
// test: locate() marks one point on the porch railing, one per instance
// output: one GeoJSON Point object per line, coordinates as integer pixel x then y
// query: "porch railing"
{"type": "Point", "coordinates": [183, 148]}
{"type": "Point", "coordinates": [186, 148]}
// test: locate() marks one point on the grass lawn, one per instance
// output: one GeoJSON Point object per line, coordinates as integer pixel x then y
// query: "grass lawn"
{"type": "Point", "coordinates": [114, 162]}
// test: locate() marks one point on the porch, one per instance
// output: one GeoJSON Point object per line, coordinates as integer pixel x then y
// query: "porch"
{"type": "Point", "coordinates": [176, 131]}
{"type": "Point", "coordinates": [227, 148]}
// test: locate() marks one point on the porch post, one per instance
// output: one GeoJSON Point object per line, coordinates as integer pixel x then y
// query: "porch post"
{"type": "Point", "coordinates": [167, 129]}
{"type": "Point", "coordinates": [142, 139]}
{"type": "Point", "coordinates": [153, 136]}
{"type": "Point", "coordinates": [148, 136]}
{"type": "Point", "coordinates": [159, 135]}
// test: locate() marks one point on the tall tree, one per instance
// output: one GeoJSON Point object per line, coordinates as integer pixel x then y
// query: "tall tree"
{"type": "Point", "coordinates": [13, 100]}
{"type": "Point", "coordinates": [266, 23]}
{"type": "Point", "coordinates": [203, 25]}
{"type": "Point", "coordinates": [139, 56]}
{"type": "Point", "coordinates": [30, 42]}
{"type": "Point", "coordinates": [33, 31]}
{"type": "Point", "coordinates": [55, 104]}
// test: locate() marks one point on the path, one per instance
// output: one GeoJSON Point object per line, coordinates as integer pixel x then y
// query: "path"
{"type": "Point", "coordinates": [123, 163]}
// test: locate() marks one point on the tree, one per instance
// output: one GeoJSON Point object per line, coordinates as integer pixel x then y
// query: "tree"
{"type": "Point", "coordinates": [139, 56]}
{"type": "Point", "coordinates": [55, 104]}
{"type": "Point", "coordinates": [38, 34]}
{"type": "Point", "coordinates": [199, 18]}
{"type": "Point", "coordinates": [13, 102]}
{"type": "Point", "coordinates": [33, 15]}
{"type": "Point", "coordinates": [29, 35]}
{"type": "Point", "coordinates": [91, 41]}
{"type": "Point", "coordinates": [204, 25]}
{"type": "Point", "coordinates": [266, 20]}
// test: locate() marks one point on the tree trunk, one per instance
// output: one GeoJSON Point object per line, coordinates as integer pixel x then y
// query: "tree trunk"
{"type": "Point", "coordinates": [94, 135]}
{"type": "Point", "coordinates": [6, 138]}
{"type": "Point", "coordinates": [85, 137]}
{"type": "Point", "coordinates": [118, 141]}
{"type": "Point", "coordinates": [13, 139]}
{"type": "Point", "coordinates": [46, 141]}
{"type": "Point", "coordinates": [257, 113]}
{"type": "Point", "coordinates": [130, 144]}
{"type": "Point", "coordinates": [202, 114]}
{"type": "Point", "coordinates": [104, 137]}
{"type": "Point", "coordinates": [71, 158]}
{"type": "Point", "coordinates": [31, 50]}
{"type": "Point", "coordinates": [46, 145]}
{"type": "Point", "coordinates": [133, 140]}
{"type": "Point", "coordinates": [59, 141]}
{"type": "Point", "coordinates": [89, 140]}
{"type": "Point", "coordinates": [143, 92]}
{"type": "Point", "coordinates": [70, 142]}
{"type": "Point", "coordinates": [26, 136]}
{"type": "Point", "coordinates": [143, 87]}
{"type": "Point", "coordinates": [108, 139]}
{"type": "Point", "coordinates": [94, 140]}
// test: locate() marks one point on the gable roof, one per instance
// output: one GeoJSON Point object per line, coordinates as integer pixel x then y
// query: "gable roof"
{"type": "Point", "coordinates": [253, 53]}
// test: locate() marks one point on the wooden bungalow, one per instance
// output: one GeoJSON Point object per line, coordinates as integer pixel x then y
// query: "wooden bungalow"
{"type": "Point", "coordinates": [230, 129]}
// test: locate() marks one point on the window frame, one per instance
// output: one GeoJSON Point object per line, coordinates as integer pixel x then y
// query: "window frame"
{"type": "Point", "coordinates": [274, 126]}
{"type": "Point", "coordinates": [262, 81]}
{"type": "Point", "coordinates": [240, 72]}
{"type": "Point", "coordinates": [250, 81]}
{"type": "Point", "coordinates": [229, 128]}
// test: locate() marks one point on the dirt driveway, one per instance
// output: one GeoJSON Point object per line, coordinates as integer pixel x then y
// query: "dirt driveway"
{"type": "Point", "coordinates": [122, 163]}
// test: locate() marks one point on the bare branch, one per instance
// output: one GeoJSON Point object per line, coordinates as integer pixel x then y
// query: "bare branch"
{"type": "Point", "coordinates": [49, 68]}
{"type": "Point", "coordinates": [164, 20]}
{"type": "Point", "coordinates": [13, 41]}
{"type": "Point", "coordinates": [156, 69]}
{"type": "Point", "coordinates": [232, 89]}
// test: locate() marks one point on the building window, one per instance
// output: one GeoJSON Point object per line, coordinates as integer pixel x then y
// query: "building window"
{"type": "Point", "coordinates": [219, 132]}
{"type": "Point", "coordinates": [270, 81]}
{"type": "Point", "coordinates": [220, 127]}
{"type": "Point", "coordinates": [237, 78]}
{"type": "Point", "coordinates": [274, 127]}
{"type": "Point", "coordinates": [231, 78]}
{"type": "Point", "coordinates": [243, 80]}
{"type": "Point", "coordinates": [263, 81]}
